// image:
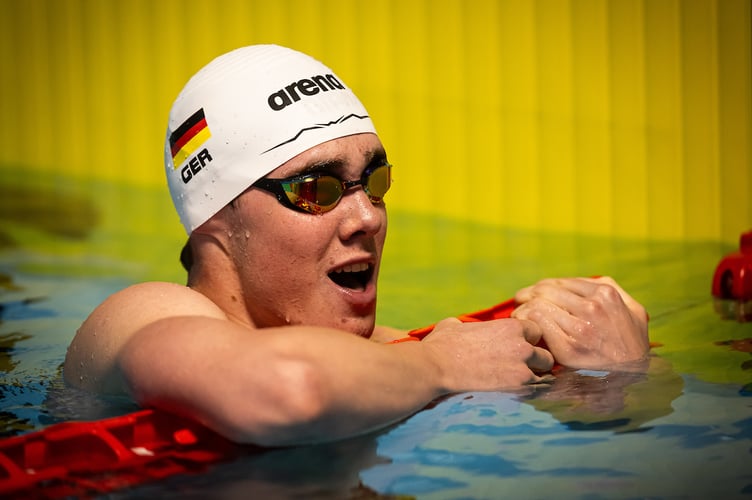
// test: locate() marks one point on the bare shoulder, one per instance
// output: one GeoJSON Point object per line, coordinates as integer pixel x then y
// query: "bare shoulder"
{"type": "Point", "coordinates": [92, 355]}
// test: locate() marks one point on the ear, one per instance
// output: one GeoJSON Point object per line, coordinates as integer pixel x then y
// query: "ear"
{"type": "Point", "coordinates": [210, 246]}
{"type": "Point", "coordinates": [218, 224]}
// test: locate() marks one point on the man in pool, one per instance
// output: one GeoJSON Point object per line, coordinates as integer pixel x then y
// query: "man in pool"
{"type": "Point", "coordinates": [278, 176]}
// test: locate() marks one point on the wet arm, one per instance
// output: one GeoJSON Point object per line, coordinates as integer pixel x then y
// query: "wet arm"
{"type": "Point", "coordinates": [277, 386]}
{"type": "Point", "coordinates": [297, 385]}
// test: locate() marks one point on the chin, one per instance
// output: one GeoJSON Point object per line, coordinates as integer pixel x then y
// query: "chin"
{"type": "Point", "coordinates": [362, 327]}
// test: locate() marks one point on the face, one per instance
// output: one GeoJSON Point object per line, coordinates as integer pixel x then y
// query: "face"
{"type": "Point", "coordinates": [315, 269]}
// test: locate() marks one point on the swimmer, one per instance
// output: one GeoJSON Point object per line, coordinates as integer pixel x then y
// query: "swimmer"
{"type": "Point", "coordinates": [280, 179]}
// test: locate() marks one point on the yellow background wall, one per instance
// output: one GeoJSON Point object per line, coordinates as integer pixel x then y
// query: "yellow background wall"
{"type": "Point", "coordinates": [628, 118]}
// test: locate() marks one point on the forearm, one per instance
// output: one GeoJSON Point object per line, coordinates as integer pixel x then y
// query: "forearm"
{"type": "Point", "coordinates": [278, 387]}
{"type": "Point", "coordinates": [352, 387]}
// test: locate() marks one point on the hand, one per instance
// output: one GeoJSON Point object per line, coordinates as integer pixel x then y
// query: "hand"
{"type": "Point", "coordinates": [586, 322]}
{"type": "Point", "coordinates": [486, 356]}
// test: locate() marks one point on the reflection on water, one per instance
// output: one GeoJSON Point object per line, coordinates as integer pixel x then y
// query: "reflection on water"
{"type": "Point", "coordinates": [614, 401]}
{"type": "Point", "coordinates": [7, 343]}
{"type": "Point", "coordinates": [329, 471]}
{"type": "Point", "coordinates": [10, 423]}
{"type": "Point", "coordinates": [488, 445]}
{"type": "Point", "coordinates": [47, 208]}
{"type": "Point", "coordinates": [587, 434]}
{"type": "Point", "coordinates": [742, 345]}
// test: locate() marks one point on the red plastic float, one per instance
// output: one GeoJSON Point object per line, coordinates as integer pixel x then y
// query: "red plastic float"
{"type": "Point", "coordinates": [732, 282]}
{"type": "Point", "coordinates": [75, 459]}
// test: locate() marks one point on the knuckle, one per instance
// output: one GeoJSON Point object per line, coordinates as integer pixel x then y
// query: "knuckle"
{"type": "Point", "coordinates": [607, 293]}
{"type": "Point", "coordinates": [593, 306]}
{"type": "Point", "coordinates": [544, 281]}
{"type": "Point", "coordinates": [536, 305]}
{"type": "Point", "coordinates": [544, 284]}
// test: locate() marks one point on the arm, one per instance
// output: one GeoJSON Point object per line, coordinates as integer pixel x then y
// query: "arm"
{"type": "Point", "coordinates": [587, 322]}
{"type": "Point", "coordinates": [296, 385]}
{"type": "Point", "coordinates": [172, 348]}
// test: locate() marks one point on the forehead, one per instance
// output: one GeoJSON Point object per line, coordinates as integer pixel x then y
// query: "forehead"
{"type": "Point", "coordinates": [345, 154]}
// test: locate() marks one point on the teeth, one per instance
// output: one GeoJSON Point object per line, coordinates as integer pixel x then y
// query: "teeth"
{"type": "Point", "coordinates": [353, 268]}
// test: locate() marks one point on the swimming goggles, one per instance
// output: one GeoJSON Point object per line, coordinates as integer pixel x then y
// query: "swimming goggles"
{"type": "Point", "coordinates": [320, 192]}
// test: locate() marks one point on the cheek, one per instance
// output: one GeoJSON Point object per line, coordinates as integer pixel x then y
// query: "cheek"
{"type": "Point", "coordinates": [281, 281]}
{"type": "Point", "coordinates": [274, 245]}
{"type": "Point", "coordinates": [281, 251]}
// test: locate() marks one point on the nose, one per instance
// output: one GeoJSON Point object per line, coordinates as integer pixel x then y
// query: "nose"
{"type": "Point", "coordinates": [360, 217]}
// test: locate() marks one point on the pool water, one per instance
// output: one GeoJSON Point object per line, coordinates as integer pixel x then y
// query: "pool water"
{"type": "Point", "coordinates": [682, 430]}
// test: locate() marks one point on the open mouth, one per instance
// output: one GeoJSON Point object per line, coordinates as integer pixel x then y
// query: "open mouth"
{"type": "Point", "coordinates": [353, 276]}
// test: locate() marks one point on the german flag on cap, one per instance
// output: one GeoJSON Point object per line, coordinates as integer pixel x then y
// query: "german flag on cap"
{"type": "Point", "coordinates": [188, 137]}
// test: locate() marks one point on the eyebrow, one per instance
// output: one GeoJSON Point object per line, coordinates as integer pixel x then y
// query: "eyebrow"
{"type": "Point", "coordinates": [373, 158]}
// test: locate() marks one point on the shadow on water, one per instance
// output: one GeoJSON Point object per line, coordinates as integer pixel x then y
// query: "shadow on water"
{"type": "Point", "coordinates": [45, 208]}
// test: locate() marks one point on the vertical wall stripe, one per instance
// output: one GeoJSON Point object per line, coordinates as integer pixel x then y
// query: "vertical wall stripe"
{"type": "Point", "coordinates": [663, 119]}
{"type": "Point", "coordinates": [735, 114]}
{"type": "Point", "coordinates": [519, 115]}
{"type": "Point", "coordinates": [629, 173]}
{"type": "Point", "coordinates": [556, 134]}
{"type": "Point", "coordinates": [592, 115]}
{"type": "Point", "coordinates": [699, 79]}
{"type": "Point", "coordinates": [414, 144]}
{"type": "Point", "coordinates": [483, 158]}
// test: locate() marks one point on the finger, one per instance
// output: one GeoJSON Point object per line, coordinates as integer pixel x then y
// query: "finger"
{"type": "Point", "coordinates": [554, 287]}
{"type": "Point", "coordinates": [546, 378]}
{"type": "Point", "coordinates": [541, 360]}
{"type": "Point", "coordinates": [524, 294]}
{"type": "Point", "coordinates": [580, 286]}
{"type": "Point", "coordinates": [583, 287]}
{"type": "Point", "coordinates": [554, 319]}
{"type": "Point", "coordinates": [581, 296]}
{"type": "Point", "coordinates": [608, 282]}
{"type": "Point", "coordinates": [544, 315]}
{"type": "Point", "coordinates": [531, 331]}
{"type": "Point", "coordinates": [558, 327]}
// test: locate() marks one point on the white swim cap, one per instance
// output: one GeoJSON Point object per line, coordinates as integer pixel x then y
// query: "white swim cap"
{"type": "Point", "coordinates": [243, 115]}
